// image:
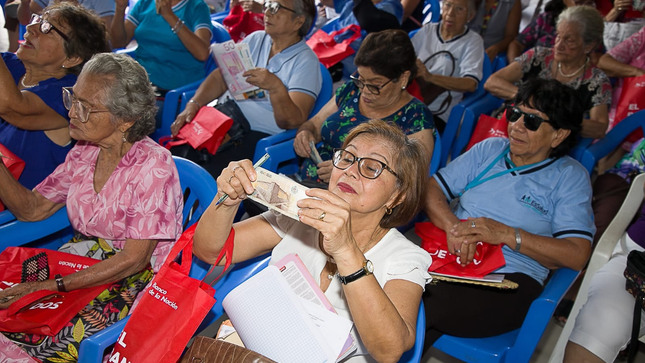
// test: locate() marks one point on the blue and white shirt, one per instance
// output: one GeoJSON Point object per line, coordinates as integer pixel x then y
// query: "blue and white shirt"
{"type": "Point", "coordinates": [551, 198]}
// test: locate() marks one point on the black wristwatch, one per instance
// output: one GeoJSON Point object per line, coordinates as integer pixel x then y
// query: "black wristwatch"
{"type": "Point", "coordinates": [367, 269]}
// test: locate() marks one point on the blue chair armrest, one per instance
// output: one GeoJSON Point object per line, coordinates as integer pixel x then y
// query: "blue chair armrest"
{"type": "Point", "coordinates": [263, 144]}
{"type": "Point", "coordinates": [93, 348]}
{"type": "Point", "coordinates": [19, 233]}
{"type": "Point", "coordinates": [6, 217]}
{"type": "Point", "coordinates": [278, 154]}
{"type": "Point", "coordinates": [219, 17]}
{"type": "Point", "coordinates": [170, 107]}
{"type": "Point", "coordinates": [485, 105]}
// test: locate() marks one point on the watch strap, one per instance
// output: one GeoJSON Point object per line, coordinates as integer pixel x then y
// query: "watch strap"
{"type": "Point", "coordinates": [356, 275]}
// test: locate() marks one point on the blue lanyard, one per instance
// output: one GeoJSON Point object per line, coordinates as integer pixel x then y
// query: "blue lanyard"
{"type": "Point", "coordinates": [478, 180]}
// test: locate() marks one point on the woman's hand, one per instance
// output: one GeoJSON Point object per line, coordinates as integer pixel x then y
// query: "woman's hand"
{"type": "Point", "coordinates": [121, 4]}
{"type": "Point", "coordinates": [622, 5]}
{"type": "Point", "coordinates": [251, 5]}
{"type": "Point", "coordinates": [163, 7]}
{"type": "Point", "coordinates": [463, 236]}
{"type": "Point", "coordinates": [11, 295]}
{"type": "Point", "coordinates": [301, 143]}
{"type": "Point", "coordinates": [261, 77]}
{"type": "Point", "coordinates": [329, 214]}
{"type": "Point", "coordinates": [236, 181]}
{"type": "Point", "coordinates": [324, 170]}
{"type": "Point", "coordinates": [184, 117]}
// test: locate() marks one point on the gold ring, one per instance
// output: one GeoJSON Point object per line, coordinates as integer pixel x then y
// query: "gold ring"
{"type": "Point", "coordinates": [322, 216]}
{"type": "Point", "coordinates": [472, 224]}
{"type": "Point", "coordinates": [457, 251]}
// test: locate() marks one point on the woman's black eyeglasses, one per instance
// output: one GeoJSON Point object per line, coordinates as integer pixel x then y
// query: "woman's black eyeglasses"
{"type": "Point", "coordinates": [367, 167]}
{"type": "Point", "coordinates": [531, 122]}
{"type": "Point", "coordinates": [273, 7]}
{"type": "Point", "coordinates": [46, 26]}
{"type": "Point", "coordinates": [374, 89]}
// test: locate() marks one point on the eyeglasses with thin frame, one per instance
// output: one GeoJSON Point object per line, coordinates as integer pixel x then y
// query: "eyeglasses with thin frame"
{"type": "Point", "coordinates": [46, 26]}
{"type": "Point", "coordinates": [531, 122]}
{"type": "Point", "coordinates": [82, 110]}
{"type": "Point", "coordinates": [374, 89]}
{"type": "Point", "coordinates": [368, 167]}
{"type": "Point", "coordinates": [273, 7]}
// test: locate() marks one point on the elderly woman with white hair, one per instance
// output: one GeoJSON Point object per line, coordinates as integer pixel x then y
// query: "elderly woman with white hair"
{"type": "Point", "coordinates": [122, 194]}
{"type": "Point", "coordinates": [579, 31]}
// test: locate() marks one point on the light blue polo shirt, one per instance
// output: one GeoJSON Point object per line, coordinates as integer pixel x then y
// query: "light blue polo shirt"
{"type": "Point", "coordinates": [298, 68]}
{"type": "Point", "coordinates": [167, 61]}
{"type": "Point", "coordinates": [552, 198]}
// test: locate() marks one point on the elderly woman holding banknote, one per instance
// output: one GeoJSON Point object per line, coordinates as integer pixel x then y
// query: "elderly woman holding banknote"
{"type": "Point", "coordinates": [370, 273]}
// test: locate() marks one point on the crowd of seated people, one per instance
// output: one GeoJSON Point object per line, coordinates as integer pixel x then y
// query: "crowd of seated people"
{"type": "Point", "coordinates": [375, 139]}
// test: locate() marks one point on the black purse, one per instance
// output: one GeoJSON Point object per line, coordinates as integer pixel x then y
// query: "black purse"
{"type": "Point", "coordinates": [635, 284]}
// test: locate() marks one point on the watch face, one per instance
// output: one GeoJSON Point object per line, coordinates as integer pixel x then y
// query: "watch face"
{"type": "Point", "coordinates": [369, 266]}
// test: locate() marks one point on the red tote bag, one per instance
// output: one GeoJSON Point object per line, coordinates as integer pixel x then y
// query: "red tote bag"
{"type": "Point", "coordinates": [488, 258]}
{"type": "Point", "coordinates": [328, 51]}
{"type": "Point", "coordinates": [42, 312]}
{"type": "Point", "coordinates": [171, 309]}
{"type": "Point", "coordinates": [240, 23]}
{"type": "Point", "coordinates": [632, 100]}
{"type": "Point", "coordinates": [488, 126]}
{"type": "Point", "coordinates": [205, 131]}
{"type": "Point", "coordinates": [15, 165]}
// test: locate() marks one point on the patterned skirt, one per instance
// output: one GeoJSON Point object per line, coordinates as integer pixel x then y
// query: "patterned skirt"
{"type": "Point", "coordinates": [110, 306]}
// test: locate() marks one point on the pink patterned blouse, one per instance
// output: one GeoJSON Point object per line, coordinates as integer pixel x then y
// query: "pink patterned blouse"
{"type": "Point", "coordinates": [142, 199]}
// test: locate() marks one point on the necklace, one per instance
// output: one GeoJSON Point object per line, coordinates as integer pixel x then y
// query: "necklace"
{"type": "Point", "coordinates": [22, 82]}
{"type": "Point", "coordinates": [575, 72]}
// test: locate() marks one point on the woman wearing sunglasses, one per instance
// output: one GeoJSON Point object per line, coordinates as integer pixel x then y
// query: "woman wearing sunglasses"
{"type": "Point", "coordinates": [173, 38]}
{"type": "Point", "coordinates": [345, 235]}
{"type": "Point", "coordinates": [287, 73]}
{"type": "Point", "coordinates": [34, 124]}
{"type": "Point", "coordinates": [386, 65]}
{"type": "Point", "coordinates": [524, 193]}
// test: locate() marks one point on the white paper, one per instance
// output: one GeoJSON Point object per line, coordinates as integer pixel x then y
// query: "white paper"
{"type": "Point", "coordinates": [233, 60]}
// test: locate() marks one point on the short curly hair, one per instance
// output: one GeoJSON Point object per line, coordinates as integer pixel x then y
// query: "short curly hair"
{"type": "Point", "coordinates": [560, 103]}
{"type": "Point", "coordinates": [590, 22]}
{"type": "Point", "coordinates": [87, 34]}
{"type": "Point", "coordinates": [410, 166]}
{"type": "Point", "coordinates": [388, 53]}
{"type": "Point", "coordinates": [129, 93]}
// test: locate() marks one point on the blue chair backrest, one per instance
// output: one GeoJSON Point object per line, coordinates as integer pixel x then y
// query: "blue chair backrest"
{"type": "Point", "coordinates": [414, 355]}
{"type": "Point", "coordinates": [614, 137]}
{"type": "Point", "coordinates": [431, 11]}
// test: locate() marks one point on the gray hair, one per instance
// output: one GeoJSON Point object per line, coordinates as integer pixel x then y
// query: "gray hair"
{"type": "Point", "coordinates": [590, 22]}
{"type": "Point", "coordinates": [129, 94]}
{"type": "Point", "coordinates": [306, 8]}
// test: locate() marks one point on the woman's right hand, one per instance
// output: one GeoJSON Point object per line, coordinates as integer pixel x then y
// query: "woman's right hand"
{"type": "Point", "coordinates": [184, 117]}
{"type": "Point", "coordinates": [301, 143]}
{"type": "Point", "coordinates": [121, 4]}
{"type": "Point", "coordinates": [236, 181]}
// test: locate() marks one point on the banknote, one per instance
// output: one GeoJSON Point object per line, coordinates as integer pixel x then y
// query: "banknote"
{"type": "Point", "coordinates": [278, 192]}
{"type": "Point", "coordinates": [315, 156]}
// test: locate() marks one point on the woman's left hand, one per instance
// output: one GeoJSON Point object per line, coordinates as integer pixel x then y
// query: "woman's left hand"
{"type": "Point", "coordinates": [330, 215]}
{"type": "Point", "coordinates": [261, 77]}
{"type": "Point", "coordinates": [11, 295]}
{"type": "Point", "coordinates": [479, 230]}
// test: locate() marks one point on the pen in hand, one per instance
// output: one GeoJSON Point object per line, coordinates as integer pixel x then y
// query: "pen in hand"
{"type": "Point", "coordinates": [259, 163]}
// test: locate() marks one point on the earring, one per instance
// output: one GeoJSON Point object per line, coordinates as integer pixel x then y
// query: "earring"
{"type": "Point", "coordinates": [123, 138]}
{"type": "Point", "coordinates": [388, 211]}
{"type": "Point", "coordinates": [403, 88]}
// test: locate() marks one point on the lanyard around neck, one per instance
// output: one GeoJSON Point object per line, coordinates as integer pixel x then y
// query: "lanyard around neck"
{"type": "Point", "coordinates": [478, 180]}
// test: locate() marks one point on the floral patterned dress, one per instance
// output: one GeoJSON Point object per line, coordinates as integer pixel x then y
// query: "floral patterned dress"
{"type": "Point", "coordinates": [411, 118]}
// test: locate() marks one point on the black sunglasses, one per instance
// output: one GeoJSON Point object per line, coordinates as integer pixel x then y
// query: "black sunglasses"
{"type": "Point", "coordinates": [531, 122]}
{"type": "Point", "coordinates": [273, 7]}
{"type": "Point", "coordinates": [374, 89]}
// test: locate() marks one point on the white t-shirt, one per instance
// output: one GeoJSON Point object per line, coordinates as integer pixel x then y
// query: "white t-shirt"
{"type": "Point", "coordinates": [394, 257]}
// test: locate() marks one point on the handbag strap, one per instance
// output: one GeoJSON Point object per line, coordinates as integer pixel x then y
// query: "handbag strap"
{"type": "Point", "coordinates": [28, 300]}
{"type": "Point", "coordinates": [169, 141]}
{"type": "Point", "coordinates": [356, 33]}
{"type": "Point", "coordinates": [185, 245]}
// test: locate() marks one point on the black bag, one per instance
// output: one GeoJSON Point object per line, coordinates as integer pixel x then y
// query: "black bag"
{"type": "Point", "coordinates": [430, 91]}
{"type": "Point", "coordinates": [635, 284]}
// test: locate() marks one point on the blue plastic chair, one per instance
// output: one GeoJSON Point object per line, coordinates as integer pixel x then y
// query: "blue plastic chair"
{"type": "Point", "coordinates": [518, 345]}
{"type": "Point", "coordinates": [325, 95]}
{"type": "Point", "coordinates": [431, 11]}
{"type": "Point", "coordinates": [171, 105]}
{"type": "Point", "coordinates": [615, 137]}
{"type": "Point", "coordinates": [454, 122]}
